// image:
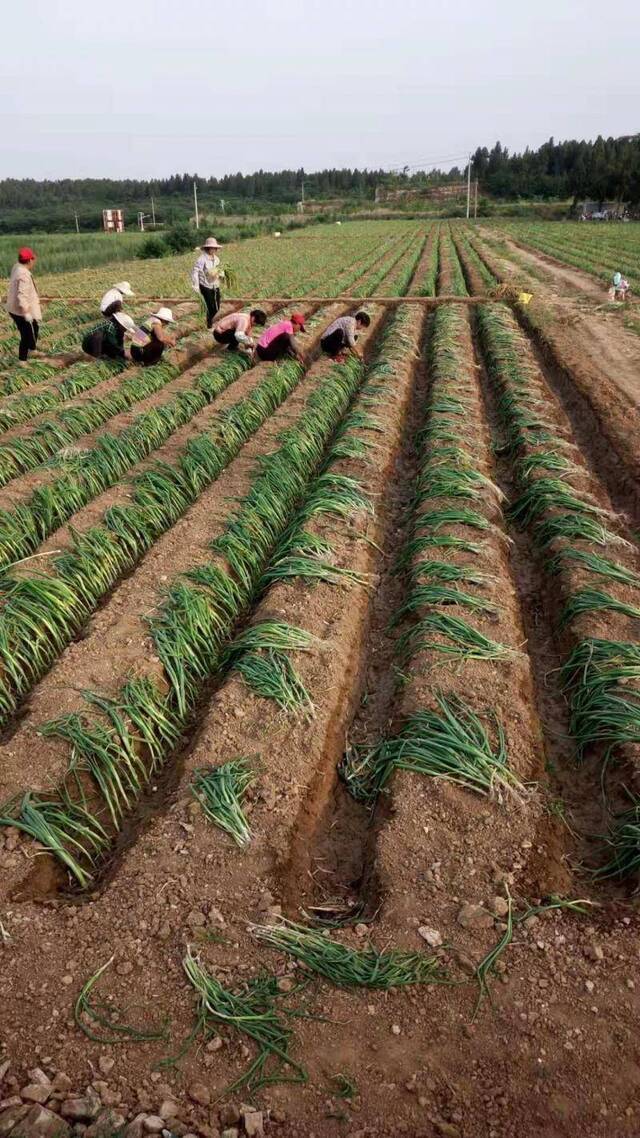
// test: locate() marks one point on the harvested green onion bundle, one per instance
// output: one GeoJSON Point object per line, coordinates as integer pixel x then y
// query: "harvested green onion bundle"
{"type": "Point", "coordinates": [253, 1013]}
{"type": "Point", "coordinates": [345, 967]}
{"type": "Point", "coordinates": [220, 790]}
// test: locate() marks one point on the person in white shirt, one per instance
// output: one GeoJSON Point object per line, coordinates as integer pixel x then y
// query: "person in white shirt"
{"type": "Point", "coordinates": [113, 299]}
{"type": "Point", "coordinates": [207, 277]}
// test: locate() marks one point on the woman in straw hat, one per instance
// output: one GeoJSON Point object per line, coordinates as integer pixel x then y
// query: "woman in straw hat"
{"type": "Point", "coordinates": [152, 337]}
{"type": "Point", "coordinates": [207, 277]}
{"type": "Point", "coordinates": [113, 299]}
{"type": "Point", "coordinates": [107, 339]}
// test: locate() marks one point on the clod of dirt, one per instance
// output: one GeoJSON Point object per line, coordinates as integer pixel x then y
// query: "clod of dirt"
{"type": "Point", "coordinates": [200, 1094]}
{"type": "Point", "coordinates": [432, 936]}
{"type": "Point", "coordinates": [474, 917]}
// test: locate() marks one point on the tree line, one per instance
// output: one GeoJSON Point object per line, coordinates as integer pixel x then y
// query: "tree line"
{"type": "Point", "coordinates": [601, 169]}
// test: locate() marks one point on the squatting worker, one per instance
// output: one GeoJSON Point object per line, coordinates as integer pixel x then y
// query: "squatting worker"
{"type": "Point", "coordinates": [23, 302]}
{"type": "Point", "coordinates": [235, 329]}
{"type": "Point", "coordinates": [278, 340]}
{"type": "Point", "coordinates": [152, 337]}
{"type": "Point", "coordinates": [207, 277]}
{"type": "Point", "coordinates": [619, 287]}
{"type": "Point", "coordinates": [113, 299]}
{"type": "Point", "coordinates": [341, 337]}
{"type": "Point", "coordinates": [107, 338]}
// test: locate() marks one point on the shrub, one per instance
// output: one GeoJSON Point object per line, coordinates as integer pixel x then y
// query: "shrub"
{"type": "Point", "coordinates": [151, 248]}
{"type": "Point", "coordinates": [180, 238]}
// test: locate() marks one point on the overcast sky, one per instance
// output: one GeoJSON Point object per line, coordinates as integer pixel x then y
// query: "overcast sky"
{"type": "Point", "coordinates": [146, 88]}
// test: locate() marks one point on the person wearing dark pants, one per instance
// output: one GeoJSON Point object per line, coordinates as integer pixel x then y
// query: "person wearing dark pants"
{"type": "Point", "coordinates": [278, 341]}
{"type": "Point", "coordinates": [206, 278]}
{"type": "Point", "coordinates": [152, 338]}
{"type": "Point", "coordinates": [23, 303]}
{"type": "Point", "coordinates": [106, 340]}
{"type": "Point", "coordinates": [341, 336]}
{"type": "Point", "coordinates": [211, 297]}
{"type": "Point", "coordinates": [28, 330]}
{"type": "Point", "coordinates": [235, 329]}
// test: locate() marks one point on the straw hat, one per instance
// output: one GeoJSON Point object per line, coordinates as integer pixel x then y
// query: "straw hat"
{"type": "Point", "coordinates": [125, 288]}
{"type": "Point", "coordinates": [125, 321]}
{"type": "Point", "coordinates": [164, 314]}
{"type": "Point", "coordinates": [211, 243]}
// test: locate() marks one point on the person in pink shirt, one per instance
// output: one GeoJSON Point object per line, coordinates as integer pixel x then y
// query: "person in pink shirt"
{"type": "Point", "coordinates": [278, 340]}
{"type": "Point", "coordinates": [235, 329]}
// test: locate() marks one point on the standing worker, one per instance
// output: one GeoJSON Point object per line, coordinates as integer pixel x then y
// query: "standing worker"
{"type": "Point", "coordinates": [113, 299]}
{"type": "Point", "coordinates": [234, 330]}
{"type": "Point", "coordinates": [207, 277]}
{"type": "Point", "coordinates": [152, 337]}
{"type": "Point", "coordinates": [23, 302]}
{"type": "Point", "coordinates": [341, 336]}
{"type": "Point", "coordinates": [107, 338]}
{"type": "Point", "coordinates": [279, 340]}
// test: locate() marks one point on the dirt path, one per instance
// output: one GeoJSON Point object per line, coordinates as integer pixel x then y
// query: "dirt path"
{"type": "Point", "coordinates": [594, 338]}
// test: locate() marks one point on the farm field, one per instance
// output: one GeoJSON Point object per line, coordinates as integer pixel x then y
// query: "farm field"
{"type": "Point", "coordinates": [320, 702]}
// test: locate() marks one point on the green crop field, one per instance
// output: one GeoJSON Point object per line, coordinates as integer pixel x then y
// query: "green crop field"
{"type": "Point", "coordinates": [319, 683]}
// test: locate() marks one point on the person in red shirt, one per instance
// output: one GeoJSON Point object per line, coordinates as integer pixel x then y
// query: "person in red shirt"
{"type": "Point", "coordinates": [278, 340]}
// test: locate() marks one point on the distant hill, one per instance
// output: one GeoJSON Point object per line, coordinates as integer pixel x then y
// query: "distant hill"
{"type": "Point", "coordinates": [604, 169]}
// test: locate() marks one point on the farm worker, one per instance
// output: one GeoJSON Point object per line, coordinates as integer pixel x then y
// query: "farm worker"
{"type": "Point", "coordinates": [619, 287]}
{"type": "Point", "coordinates": [107, 338]}
{"type": "Point", "coordinates": [207, 276]}
{"type": "Point", "coordinates": [113, 299]}
{"type": "Point", "coordinates": [23, 302]}
{"type": "Point", "coordinates": [279, 340]}
{"type": "Point", "coordinates": [234, 330]}
{"type": "Point", "coordinates": [152, 337]}
{"type": "Point", "coordinates": [340, 337]}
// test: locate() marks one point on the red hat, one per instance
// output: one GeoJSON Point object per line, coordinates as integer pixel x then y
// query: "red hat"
{"type": "Point", "coordinates": [298, 318]}
{"type": "Point", "coordinates": [26, 254]}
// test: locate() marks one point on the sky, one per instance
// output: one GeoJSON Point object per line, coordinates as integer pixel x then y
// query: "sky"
{"type": "Point", "coordinates": [147, 88]}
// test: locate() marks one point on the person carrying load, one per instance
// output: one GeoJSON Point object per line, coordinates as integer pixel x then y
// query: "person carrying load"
{"type": "Point", "coordinates": [234, 330]}
{"type": "Point", "coordinates": [23, 302]}
{"type": "Point", "coordinates": [107, 339]}
{"type": "Point", "coordinates": [152, 337]}
{"type": "Point", "coordinates": [113, 299]}
{"type": "Point", "coordinates": [340, 338]}
{"type": "Point", "coordinates": [207, 276]}
{"type": "Point", "coordinates": [278, 340]}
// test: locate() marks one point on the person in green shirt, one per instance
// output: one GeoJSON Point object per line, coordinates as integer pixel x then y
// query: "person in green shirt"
{"type": "Point", "coordinates": [107, 338]}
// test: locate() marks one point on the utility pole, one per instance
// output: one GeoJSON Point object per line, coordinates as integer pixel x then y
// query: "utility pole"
{"type": "Point", "coordinates": [77, 225]}
{"type": "Point", "coordinates": [475, 203]}
{"type": "Point", "coordinates": [195, 202]}
{"type": "Point", "coordinates": [469, 187]}
{"type": "Point", "coordinates": [153, 212]}
{"type": "Point", "coordinates": [302, 196]}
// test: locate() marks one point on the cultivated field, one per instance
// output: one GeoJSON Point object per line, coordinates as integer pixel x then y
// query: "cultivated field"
{"type": "Point", "coordinates": [320, 695]}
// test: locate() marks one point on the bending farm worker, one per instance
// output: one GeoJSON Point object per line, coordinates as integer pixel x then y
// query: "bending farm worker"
{"type": "Point", "coordinates": [23, 302]}
{"type": "Point", "coordinates": [235, 329]}
{"type": "Point", "coordinates": [279, 340]}
{"type": "Point", "coordinates": [107, 338]}
{"type": "Point", "coordinates": [113, 299]}
{"type": "Point", "coordinates": [207, 276]}
{"type": "Point", "coordinates": [619, 287]}
{"type": "Point", "coordinates": [341, 337]}
{"type": "Point", "coordinates": [152, 337]}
